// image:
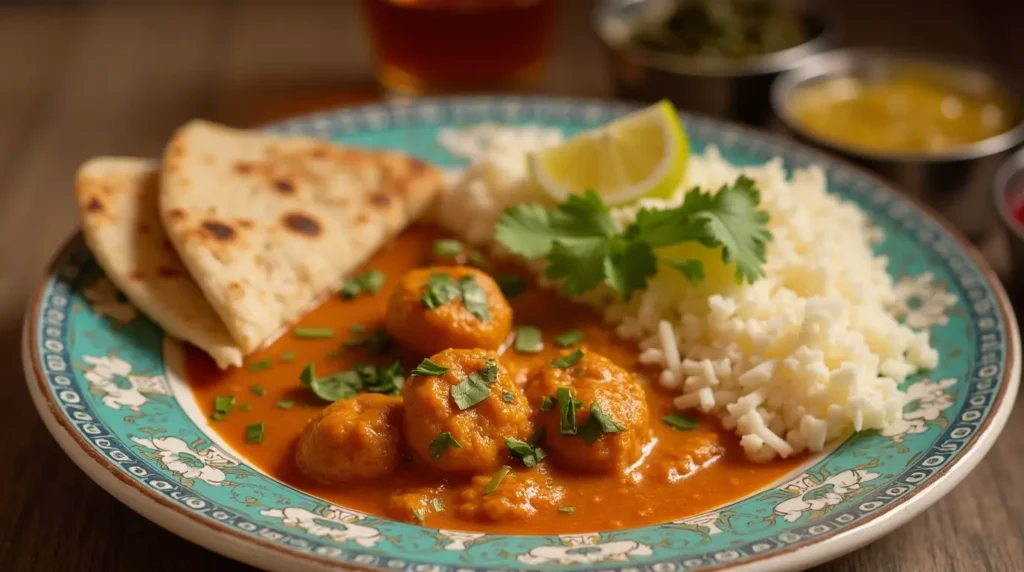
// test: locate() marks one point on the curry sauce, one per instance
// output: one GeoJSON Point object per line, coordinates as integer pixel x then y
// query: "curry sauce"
{"type": "Point", "coordinates": [682, 472]}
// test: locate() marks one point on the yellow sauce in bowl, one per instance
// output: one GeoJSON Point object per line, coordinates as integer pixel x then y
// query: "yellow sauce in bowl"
{"type": "Point", "coordinates": [899, 115]}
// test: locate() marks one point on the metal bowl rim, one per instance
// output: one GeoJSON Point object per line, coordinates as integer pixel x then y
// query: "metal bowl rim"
{"type": "Point", "coordinates": [826, 63]}
{"type": "Point", "coordinates": [1001, 194]}
{"type": "Point", "coordinates": [765, 64]}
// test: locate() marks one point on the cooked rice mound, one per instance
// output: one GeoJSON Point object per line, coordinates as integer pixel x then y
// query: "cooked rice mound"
{"type": "Point", "coordinates": [805, 355]}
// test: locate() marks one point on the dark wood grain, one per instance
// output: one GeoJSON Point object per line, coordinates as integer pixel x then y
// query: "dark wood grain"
{"type": "Point", "coordinates": [82, 79]}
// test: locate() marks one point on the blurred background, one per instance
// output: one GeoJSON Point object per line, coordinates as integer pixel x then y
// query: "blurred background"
{"type": "Point", "coordinates": [89, 77]}
{"type": "Point", "coordinates": [84, 78]}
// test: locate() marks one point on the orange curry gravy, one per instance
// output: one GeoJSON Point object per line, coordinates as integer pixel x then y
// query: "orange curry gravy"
{"type": "Point", "coordinates": [600, 502]}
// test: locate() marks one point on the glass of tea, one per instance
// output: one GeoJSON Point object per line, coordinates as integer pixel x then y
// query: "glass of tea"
{"type": "Point", "coordinates": [446, 46]}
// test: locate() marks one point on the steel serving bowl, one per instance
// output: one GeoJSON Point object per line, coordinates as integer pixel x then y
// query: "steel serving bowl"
{"type": "Point", "coordinates": [954, 181]}
{"type": "Point", "coordinates": [725, 87]}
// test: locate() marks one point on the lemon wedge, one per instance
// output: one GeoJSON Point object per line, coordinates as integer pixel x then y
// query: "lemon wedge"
{"type": "Point", "coordinates": [643, 154]}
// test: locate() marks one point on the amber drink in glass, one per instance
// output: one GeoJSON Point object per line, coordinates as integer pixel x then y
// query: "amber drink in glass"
{"type": "Point", "coordinates": [447, 46]}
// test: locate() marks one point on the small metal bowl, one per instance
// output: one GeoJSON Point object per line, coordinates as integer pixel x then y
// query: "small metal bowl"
{"type": "Point", "coordinates": [954, 181]}
{"type": "Point", "coordinates": [730, 88]}
{"type": "Point", "coordinates": [1008, 190]}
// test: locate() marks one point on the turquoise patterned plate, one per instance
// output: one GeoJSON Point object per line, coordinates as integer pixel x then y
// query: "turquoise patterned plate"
{"type": "Point", "coordinates": [104, 382]}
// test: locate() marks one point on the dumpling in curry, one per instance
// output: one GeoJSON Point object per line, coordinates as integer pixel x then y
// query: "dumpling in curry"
{"type": "Point", "coordinates": [458, 421]}
{"type": "Point", "coordinates": [608, 425]}
{"type": "Point", "coordinates": [433, 309]}
{"type": "Point", "coordinates": [352, 438]}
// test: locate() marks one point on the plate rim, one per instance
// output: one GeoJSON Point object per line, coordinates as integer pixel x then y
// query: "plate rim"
{"type": "Point", "coordinates": [239, 546]}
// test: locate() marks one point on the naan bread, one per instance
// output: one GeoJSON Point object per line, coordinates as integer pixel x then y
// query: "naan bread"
{"type": "Point", "coordinates": [119, 202]}
{"type": "Point", "coordinates": [268, 225]}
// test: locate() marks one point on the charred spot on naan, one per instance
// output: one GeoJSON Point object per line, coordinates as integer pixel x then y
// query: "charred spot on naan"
{"type": "Point", "coordinates": [176, 216]}
{"type": "Point", "coordinates": [235, 290]}
{"type": "Point", "coordinates": [284, 186]}
{"type": "Point", "coordinates": [243, 167]}
{"type": "Point", "coordinates": [217, 230]}
{"type": "Point", "coordinates": [379, 199]}
{"type": "Point", "coordinates": [301, 223]}
{"type": "Point", "coordinates": [360, 219]}
{"type": "Point", "coordinates": [168, 272]}
{"type": "Point", "coordinates": [93, 205]}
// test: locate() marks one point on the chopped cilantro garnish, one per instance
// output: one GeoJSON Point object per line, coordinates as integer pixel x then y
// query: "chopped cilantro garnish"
{"type": "Point", "coordinates": [254, 433]}
{"type": "Point", "coordinates": [357, 329]}
{"type": "Point", "coordinates": [447, 248]}
{"type": "Point", "coordinates": [567, 509]}
{"type": "Point", "coordinates": [244, 407]}
{"type": "Point", "coordinates": [418, 514]}
{"type": "Point", "coordinates": [529, 340]}
{"type": "Point", "coordinates": [584, 245]}
{"type": "Point", "coordinates": [680, 422]}
{"type": "Point", "coordinates": [511, 285]}
{"type": "Point", "coordinates": [222, 404]}
{"type": "Point", "coordinates": [496, 479]}
{"type": "Point", "coordinates": [474, 298]}
{"type": "Point", "coordinates": [285, 404]}
{"type": "Point", "coordinates": [547, 403]}
{"type": "Point", "coordinates": [261, 365]}
{"type": "Point", "coordinates": [257, 390]}
{"type": "Point", "coordinates": [216, 416]}
{"type": "Point", "coordinates": [288, 356]}
{"type": "Point", "coordinates": [566, 411]}
{"type": "Point", "coordinates": [313, 333]}
{"type": "Point", "coordinates": [598, 424]}
{"type": "Point", "coordinates": [369, 282]}
{"type": "Point", "coordinates": [348, 383]}
{"type": "Point", "coordinates": [607, 424]}
{"type": "Point", "coordinates": [341, 385]}
{"type": "Point", "coordinates": [441, 443]}
{"type": "Point", "coordinates": [437, 505]}
{"type": "Point", "coordinates": [528, 453]}
{"type": "Point", "coordinates": [508, 397]}
{"type": "Point", "coordinates": [569, 339]}
{"type": "Point", "coordinates": [476, 387]}
{"type": "Point", "coordinates": [568, 360]}
{"type": "Point", "coordinates": [428, 368]}
{"type": "Point", "coordinates": [439, 291]}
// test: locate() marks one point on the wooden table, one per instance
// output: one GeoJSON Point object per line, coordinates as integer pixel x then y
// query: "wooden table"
{"type": "Point", "coordinates": [83, 79]}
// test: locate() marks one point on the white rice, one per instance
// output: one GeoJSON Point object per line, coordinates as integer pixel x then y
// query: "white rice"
{"type": "Point", "coordinates": [800, 358]}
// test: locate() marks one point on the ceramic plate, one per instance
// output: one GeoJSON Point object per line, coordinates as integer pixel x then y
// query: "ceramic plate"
{"type": "Point", "coordinates": [104, 380]}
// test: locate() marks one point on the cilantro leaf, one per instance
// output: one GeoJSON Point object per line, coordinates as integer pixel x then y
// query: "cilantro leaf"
{"type": "Point", "coordinates": [528, 453]}
{"type": "Point", "coordinates": [629, 271]}
{"type": "Point", "coordinates": [439, 291]}
{"type": "Point", "coordinates": [349, 383]}
{"type": "Point", "coordinates": [531, 230]}
{"type": "Point", "coordinates": [579, 262]}
{"type": "Point", "coordinates": [680, 422]}
{"type": "Point", "coordinates": [476, 387]}
{"type": "Point", "coordinates": [442, 443]}
{"type": "Point", "coordinates": [474, 298]}
{"type": "Point", "coordinates": [428, 368]}
{"type": "Point", "coordinates": [733, 221]}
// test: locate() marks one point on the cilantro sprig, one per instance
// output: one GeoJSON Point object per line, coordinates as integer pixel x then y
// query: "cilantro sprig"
{"type": "Point", "coordinates": [584, 245]}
